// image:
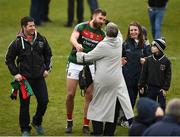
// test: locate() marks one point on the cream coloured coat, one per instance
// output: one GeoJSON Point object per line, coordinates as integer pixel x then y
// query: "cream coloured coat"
{"type": "Point", "coordinates": [109, 82]}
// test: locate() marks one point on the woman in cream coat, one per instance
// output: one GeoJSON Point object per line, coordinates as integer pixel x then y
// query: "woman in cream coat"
{"type": "Point", "coordinates": [110, 91]}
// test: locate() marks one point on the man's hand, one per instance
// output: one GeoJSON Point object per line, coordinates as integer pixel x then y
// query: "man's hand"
{"type": "Point", "coordinates": [45, 74]}
{"type": "Point", "coordinates": [123, 60]}
{"type": "Point", "coordinates": [79, 47]}
{"type": "Point", "coordinates": [18, 77]}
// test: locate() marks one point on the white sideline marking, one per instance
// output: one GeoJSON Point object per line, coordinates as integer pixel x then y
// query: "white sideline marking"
{"type": "Point", "coordinates": [55, 56]}
{"type": "Point", "coordinates": [59, 56]}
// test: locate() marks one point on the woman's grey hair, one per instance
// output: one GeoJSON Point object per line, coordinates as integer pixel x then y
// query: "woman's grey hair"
{"type": "Point", "coordinates": [173, 108]}
{"type": "Point", "coordinates": [111, 30]}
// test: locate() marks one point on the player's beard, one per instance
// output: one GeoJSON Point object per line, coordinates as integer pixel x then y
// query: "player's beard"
{"type": "Point", "coordinates": [97, 24]}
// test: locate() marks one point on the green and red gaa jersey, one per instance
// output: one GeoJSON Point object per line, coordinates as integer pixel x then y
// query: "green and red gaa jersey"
{"type": "Point", "coordinates": [89, 38]}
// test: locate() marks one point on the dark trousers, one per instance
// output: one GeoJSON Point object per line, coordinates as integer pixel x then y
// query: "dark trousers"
{"type": "Point", "coordinates": [40, 91]}
{"type": "Point", "coordinates": [35, 10]}
{"type": "Point", "coordinates": [93, 4]}
{"type": "Point", "coordinates": [155, 94]}
{"type": "Point", "coordinates": [133, 92]}
{"type": "Point", "coordinates": [79, 10]}
{"type": "Point", "coordinates": [45, 10]}
{"type": "Point", "coordinates": [107, 128]}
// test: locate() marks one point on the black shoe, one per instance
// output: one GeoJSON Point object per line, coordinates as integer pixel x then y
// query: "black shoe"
{"type": "Point", "coordinates": [69, 127]}
{"type": "Point", "coordinates": [86, 130]}
{"type": "Point", "coordinates": [47, 20]}
{"type": "Point", "coordinates": [79, 21]}
{"type": "Point", "coordinates": [68, 25]}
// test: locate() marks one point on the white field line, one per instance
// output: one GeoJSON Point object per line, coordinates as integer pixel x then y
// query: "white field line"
{"type": "Point", "coordinates": [54, 56]}
{"type": "Point", "coordinates": [59, 56]}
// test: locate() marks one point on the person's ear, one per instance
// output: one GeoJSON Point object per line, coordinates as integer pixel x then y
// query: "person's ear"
{"type": "Point", "coordinates": [23, 27]}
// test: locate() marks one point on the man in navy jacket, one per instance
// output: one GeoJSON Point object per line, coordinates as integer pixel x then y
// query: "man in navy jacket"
{"type": "Point", "coordinates": [29, 56]}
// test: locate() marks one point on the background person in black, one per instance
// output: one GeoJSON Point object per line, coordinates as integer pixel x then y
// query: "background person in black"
{"type": "Point", "coordinates": [36, 8]}
{"type": "Point", "coordinates": [156, 73]}
{"type": "Point", "coordinates": [93, 5]}
{"type": "Point", "coordinates": [45, 11]}
{"type": "Point", "coordinates": [79, 11]}
{"type": "Point", "coordinates": [29, 55]}
{"type": "Point", "coordinates": [39, 10]}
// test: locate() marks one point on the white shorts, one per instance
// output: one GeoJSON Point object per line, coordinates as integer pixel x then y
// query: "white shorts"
{"type": "Point", "coordinates": [74, 69]}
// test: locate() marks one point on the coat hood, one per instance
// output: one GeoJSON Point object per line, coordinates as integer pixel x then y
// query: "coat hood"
{"type": "Point", "coordinates": [146, 109]}
{"type": "Point", "coordinates": [21, 35]}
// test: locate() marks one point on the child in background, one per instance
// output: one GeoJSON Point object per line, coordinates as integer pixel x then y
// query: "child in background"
{"type": "Point", "coordinates": [156, 73]}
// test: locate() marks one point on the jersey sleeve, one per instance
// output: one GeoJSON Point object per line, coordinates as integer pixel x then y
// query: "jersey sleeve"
{"type": "Point", "coordinates": [79, 27]}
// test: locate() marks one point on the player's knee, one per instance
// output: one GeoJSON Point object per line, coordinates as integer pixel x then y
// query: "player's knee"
{"type": "Point", "coordinates": [70, 96]}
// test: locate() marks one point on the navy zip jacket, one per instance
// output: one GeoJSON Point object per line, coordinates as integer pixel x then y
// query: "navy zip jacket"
{"type": "Point", "coordinates": [132, 69]}
{"type": "Point", "coordinates": [29, 60]}
{"type": "Point", "coordinates": [156, 72]}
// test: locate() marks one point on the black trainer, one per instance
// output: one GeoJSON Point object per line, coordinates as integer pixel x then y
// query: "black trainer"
{"type": "Point", "coordinates": [68, 25]}
{"type": "Point", "coordinates": [69, 127]}
{"type": "Point", "coordinates": [86, 130]}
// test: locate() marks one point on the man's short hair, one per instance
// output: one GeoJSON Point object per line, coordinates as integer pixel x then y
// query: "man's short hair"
{"type": "Point", "coordinates": [97, 11]}
{"type": "Point", "coordinates": [173, 108]}
{"type": "Point", "coordinates": [111, 30]}
{"type": "Point", "coordinates": [25, 20]}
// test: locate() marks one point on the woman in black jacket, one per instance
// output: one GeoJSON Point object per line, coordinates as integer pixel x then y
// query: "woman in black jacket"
{"type": "Point", "coordinates": [133, 56]}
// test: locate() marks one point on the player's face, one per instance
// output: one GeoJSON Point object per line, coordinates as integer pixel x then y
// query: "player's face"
{"type": "Point", "coordinates": [29, 29]}
{"type": "Point", "coordinates": [134, 32]}
{"type": "Point", "coordinates": [99, 20]}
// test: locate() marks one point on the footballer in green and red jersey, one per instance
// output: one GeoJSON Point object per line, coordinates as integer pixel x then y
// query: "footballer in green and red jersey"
{"type": "Point", "coordinates": [84, 38]}
{"type": "Point", "coordinates": [89, 38]}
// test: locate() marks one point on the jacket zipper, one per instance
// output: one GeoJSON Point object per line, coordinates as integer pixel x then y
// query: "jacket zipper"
{"type": "Point", "coordinates": [32, 60]}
